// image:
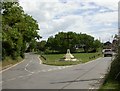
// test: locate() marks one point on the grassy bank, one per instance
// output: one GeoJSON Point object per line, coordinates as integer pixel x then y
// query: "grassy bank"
{"type": "Point", "coordinates": [112, 80]}
{"type": "Point", "coordinates": [53, 59]}
{"type": "Point", "coordinates": [9, 61]}
{"type": "Point", "coordinates": [110, 85]}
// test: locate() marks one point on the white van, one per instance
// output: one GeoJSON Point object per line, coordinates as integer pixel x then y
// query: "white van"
{"type": "Point", "coordinates": [107, 52]}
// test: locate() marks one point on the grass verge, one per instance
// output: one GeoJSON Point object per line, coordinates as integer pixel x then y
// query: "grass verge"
{"type": "Point", "coordinates": [53, 59]}
{"type": "Point", "coordinates": [8, 62]}
{"type": "Point", "coordinates": [110, 84]}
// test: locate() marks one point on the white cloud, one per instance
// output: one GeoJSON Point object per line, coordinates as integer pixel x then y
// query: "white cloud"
{"type": "Point", "coordinates": [106, 17]}
{"type": "Point", "coordinates": [78, 24]}
{"type": "Point", "coordinates": [54, 16]}
{"type": "Point", "coordinates": [111, 4]}
{"type": "Point", "coordinates": [105, 34]}
{"type": "Point", "coordinates": [29, 6]}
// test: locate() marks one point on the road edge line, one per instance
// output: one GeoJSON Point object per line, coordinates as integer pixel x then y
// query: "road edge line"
{"type": "Point", "coordinates": [93, 60]}
{"type": "Point", "coordinates": [12, 66]}
{"type": "Point", "coordinates": [40, 62]}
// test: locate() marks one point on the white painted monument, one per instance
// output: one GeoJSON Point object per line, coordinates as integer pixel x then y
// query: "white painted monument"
{"type": "Point", "coordinates": [68, 57]}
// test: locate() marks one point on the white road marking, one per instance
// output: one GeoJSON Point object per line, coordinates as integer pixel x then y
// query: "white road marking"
{"type": "Point", "coordinates": [20, 76]}
{"type": "Point", "coordinates": [39, 71]}
{"type": "Point", "coordinates": [92, 88]}
{"type": "Point", "coordinates": [96, 88]}
{"type": "Point", "coordinates": [26, 65]}
{"type": "Point", "coordinates": [49, 69]}
{"type": "Point", "coordinates": [28, 71]}
{"type": "Point", "coordinates": [43, 70]}
{"type": "Point", "coordinates": [11, 79]}
{"type": "Point", "coordinates": [102, 77]}
{"type": "Point", "coordinates": [31, 73]}
{"type": "Point", "coordinates": [59, 68]}
{"type": "Point", "coordinates": [54, 68]}
{"type": "Point", "coordinates": [66, 66]}
{"type": "Point", "coordinates": [63, 67]}
{"type": "Point", "coordinates": [40, 60]}
{"type": "Point", "coordinates": [28, 75]}
{"type": "Point", "coordinates": [16, 78]}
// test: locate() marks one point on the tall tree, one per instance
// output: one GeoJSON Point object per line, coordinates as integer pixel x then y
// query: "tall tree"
{"type": "Point", "coordinates": [86, 41]}
{"type": "Point", "coordinates": [19, 29]}
{"type": "Point", "coordinates": [62, 41]}
{"type": "Point", "coordinates": [96, 44]}
{"type": "Point", "coordinates": [41, 46]}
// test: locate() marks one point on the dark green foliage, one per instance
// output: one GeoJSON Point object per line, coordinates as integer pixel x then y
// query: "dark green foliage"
{"type": "Point", "coordinates": [114, 73]}
{"type": "Point", "coordinates": [115, 68]}
{"type": "Point", "coordinates": [32, 46]}
{"type": "Point", "coordinates": [18, 30]}
{"type": "Point", "coordinates": [41, 46]}
{"type": "Point", "coordinates": [112, 80]}
{"type": "Point", "coordinates": [62, 41]}
{"type": "Point", "coordinates": [87, 41]}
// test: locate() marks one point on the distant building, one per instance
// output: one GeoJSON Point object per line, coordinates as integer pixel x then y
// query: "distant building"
{"type": "Point", "coordinates": [107, 45]}
{"type": "Point", "coordinates": [114, 44]}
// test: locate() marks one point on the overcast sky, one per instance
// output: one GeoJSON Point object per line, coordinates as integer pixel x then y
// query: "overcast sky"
{"type": "Point", "coordinates": [98, 18]}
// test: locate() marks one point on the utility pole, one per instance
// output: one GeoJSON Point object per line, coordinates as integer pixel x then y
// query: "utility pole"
{"type": "Point", "coordinates": [118, 27]}
{"type": "Point", "coordinates": [118, 39]}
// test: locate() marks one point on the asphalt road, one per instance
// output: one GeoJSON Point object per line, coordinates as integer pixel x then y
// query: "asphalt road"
{"type": "Point", "coordinates": [31, 74]}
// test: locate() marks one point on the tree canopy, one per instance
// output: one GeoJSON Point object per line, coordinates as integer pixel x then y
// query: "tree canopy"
{"type": "Point", "coordinates": [62, 41]}
{"type": "Point", "coordinates": [18, 30]}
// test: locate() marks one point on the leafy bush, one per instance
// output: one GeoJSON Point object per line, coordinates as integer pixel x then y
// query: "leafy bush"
{"type": "Point", "coordinates": [115, 68]}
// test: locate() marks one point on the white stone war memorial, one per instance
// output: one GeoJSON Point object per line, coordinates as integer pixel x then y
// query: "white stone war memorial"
{"type": "Point", "coordinates": [68, 57]}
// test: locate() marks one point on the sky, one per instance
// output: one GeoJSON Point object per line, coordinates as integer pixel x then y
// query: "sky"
{"type": "Point", "coordinates": [98, 18]}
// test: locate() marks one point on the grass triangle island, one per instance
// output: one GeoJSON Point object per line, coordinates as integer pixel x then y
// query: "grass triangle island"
{"type": "Point", "coordinates": [68, 57]}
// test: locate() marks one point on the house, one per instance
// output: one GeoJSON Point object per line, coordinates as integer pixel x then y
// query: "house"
{"type": "Point", "coordinates": [114, 44]}
{"type": "Point", "coordinates": [107, 45]}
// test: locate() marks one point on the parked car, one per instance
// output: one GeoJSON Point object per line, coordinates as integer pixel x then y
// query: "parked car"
{"type": "Point", "coordinates": [108, 52]}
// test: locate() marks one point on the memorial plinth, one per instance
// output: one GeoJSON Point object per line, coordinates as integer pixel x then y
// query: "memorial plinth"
{"type": "Point", "coordinates": [68, 57]}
